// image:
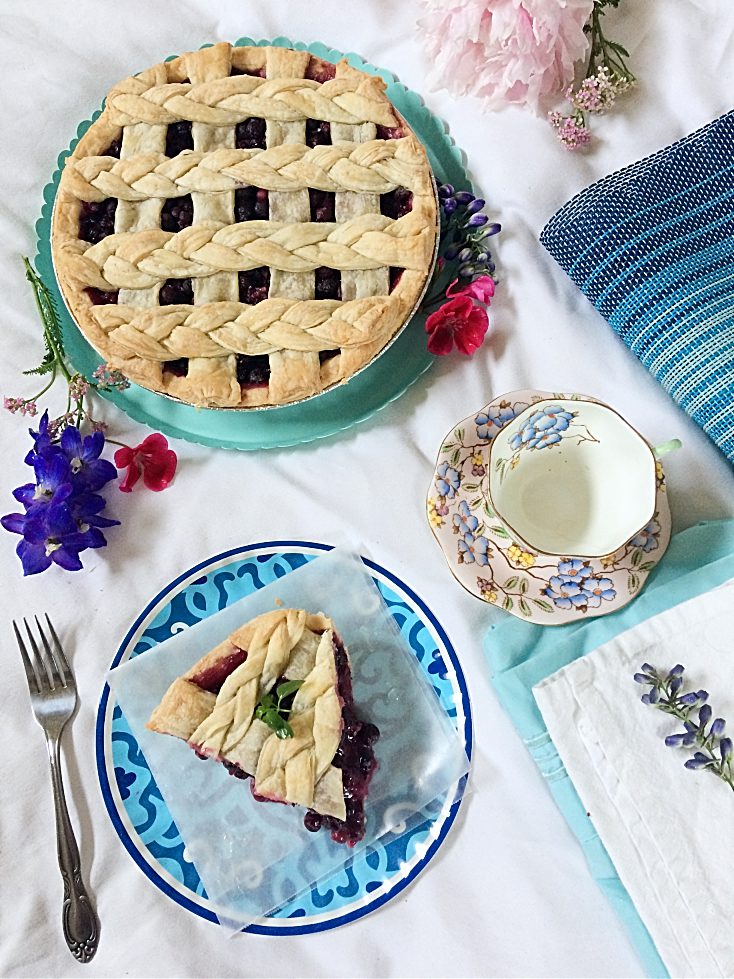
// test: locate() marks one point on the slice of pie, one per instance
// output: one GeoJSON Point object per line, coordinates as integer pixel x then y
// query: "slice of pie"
{"type": "Point", "coordinates": [245, 226]}
{"type": "Point", "coordinates": [273, 703]}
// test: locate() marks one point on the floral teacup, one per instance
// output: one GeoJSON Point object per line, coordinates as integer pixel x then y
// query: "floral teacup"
{"type": "Point", "coordinates": [572, 478]}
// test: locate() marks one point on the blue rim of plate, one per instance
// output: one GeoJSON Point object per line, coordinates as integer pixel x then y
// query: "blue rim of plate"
{"type": "Point", "coordinates": [439, 828]}
{"type": "Point", "coordinates": [378, 385]}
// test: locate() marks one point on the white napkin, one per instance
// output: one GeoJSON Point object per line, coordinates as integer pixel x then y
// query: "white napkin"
{"type": "Point", "coordinates": [667, 829]}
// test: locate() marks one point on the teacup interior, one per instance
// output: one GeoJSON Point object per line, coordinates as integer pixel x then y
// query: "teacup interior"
{"type": "Point", "coordinates": [585, 495]}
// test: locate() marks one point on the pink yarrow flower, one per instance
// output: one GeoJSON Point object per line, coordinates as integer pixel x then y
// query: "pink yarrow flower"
{"type": "Point", "coordinates": [572, 133]}
{"type": "Point", "coordinates": [506, 52]}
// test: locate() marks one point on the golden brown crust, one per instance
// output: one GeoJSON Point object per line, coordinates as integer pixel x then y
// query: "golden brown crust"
{"type": "Point", "coordinates": [287, 642]}
{"type": "Point", "coordinates": [139, 257]}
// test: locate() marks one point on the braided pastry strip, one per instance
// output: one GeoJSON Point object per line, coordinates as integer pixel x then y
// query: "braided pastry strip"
{"type": "Point", "coordinates": [374, 167]}
{"type": "Point", "coordinates": [165, 333]}
{"type": "Point", "coordinates": [141, 259]}
{"type": "Point", "coordinates": [352, 99]}
{"type": "Point", "coordinates": [288, 769]}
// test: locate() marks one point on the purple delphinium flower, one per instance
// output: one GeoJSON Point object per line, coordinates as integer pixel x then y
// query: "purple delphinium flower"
{"type": "Point", "coordinates": [62, 514]}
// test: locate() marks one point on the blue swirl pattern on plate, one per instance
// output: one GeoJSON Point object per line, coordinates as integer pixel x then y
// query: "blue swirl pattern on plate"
{"type": "Point", "coordinates": [139, 793]}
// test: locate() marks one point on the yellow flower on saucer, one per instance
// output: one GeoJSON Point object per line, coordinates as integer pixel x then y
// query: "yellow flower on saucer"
{"type": "Point", "coordinates": [607, 561]}
{"type": "Point", "coordinates": [515, 461]}
{"type": "Point", "coordinates": [434, 517]}
{"type": "Point", "coordinates": [477, 459]}
{"type": "Point", "coordinates": [524, 558]}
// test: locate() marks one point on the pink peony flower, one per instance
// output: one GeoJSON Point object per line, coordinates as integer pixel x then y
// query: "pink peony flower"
{"type": "Point", "coordinates": [515, 52]}
{"type": "Point", "coordinates": [457, 321]}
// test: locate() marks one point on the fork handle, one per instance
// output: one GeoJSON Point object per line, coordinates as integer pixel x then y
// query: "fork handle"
{"type": "Point", "coordinates": [78, 919]}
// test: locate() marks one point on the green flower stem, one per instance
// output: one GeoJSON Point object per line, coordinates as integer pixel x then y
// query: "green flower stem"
{"type": "Point", "coordinates": [608, 52]}
{"type": "Point", "coordinates": [42, 304]}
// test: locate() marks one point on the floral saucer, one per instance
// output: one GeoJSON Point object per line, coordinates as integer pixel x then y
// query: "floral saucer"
{"type": "Point", "coordinates": [485, 559]}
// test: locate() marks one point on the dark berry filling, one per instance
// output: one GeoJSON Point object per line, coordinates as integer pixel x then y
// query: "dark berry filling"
{"type": "Point", "coordinates": [325, 355]}
{"type": "Point", "coordinates": [384, 132]}
{"type": "Point", "coordinates": [253, 372]}
{"type": "Point", "coordinates": [322, 204]}
{"type": "Point", "coordinates": [255, 72]}
{"type": "Point", "coordinates": [320, 71]}
{"type": "Point", "coordinates": [176, 292]}
{"type": "Point", "coordinates": [114, 148]}
{"type": "Point", "coordinates": [396, 275]}
{"type": "Point", "coordinates": [179, 368]}
{"type": "Point", "coordinates": [250, 134]}
{"type": "Point", "coordinates": [213, 677]}
{"type": "Point", "coordinates": [254, 285]}
{"type": "Point", "coordinates": [356, 758]}
{"type": "Point", "coordinates": [177, 213]}
{"type": "Point", "coordinates": [328, 283]}
{"type": "Point", "coordinates": [251, 204]}
{"type": "Point", "coordinates": [99, 298]}
{"type": "Point", "coordinates": [97, 219]}
{"type": "Point", "coordinates": [397, 203]}
{"type": "Point", "coordinates": [318, 133]}
{"type": "Point", "coordinates": [235, 769]}
{"type": "Point", "coordinates": [179, 138]}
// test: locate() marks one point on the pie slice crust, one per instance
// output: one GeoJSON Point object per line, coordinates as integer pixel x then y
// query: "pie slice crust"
{"type": "Point", "coordinates": [322, 760]}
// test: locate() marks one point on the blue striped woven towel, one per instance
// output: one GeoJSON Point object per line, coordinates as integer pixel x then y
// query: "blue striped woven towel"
{"type": "Point", "coordinates": [652, 247]}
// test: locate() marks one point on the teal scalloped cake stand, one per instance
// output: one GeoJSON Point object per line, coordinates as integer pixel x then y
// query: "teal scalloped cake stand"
{"type": "Point", "coordinates": [381, 383]}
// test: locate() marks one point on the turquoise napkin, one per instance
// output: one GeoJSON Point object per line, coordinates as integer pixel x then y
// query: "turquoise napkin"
{"type": "Point", "coordinates": [521, 654]}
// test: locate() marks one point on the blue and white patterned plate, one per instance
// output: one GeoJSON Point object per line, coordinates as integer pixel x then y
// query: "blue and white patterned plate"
{"type": "Point", "coordinates": [138, 811]}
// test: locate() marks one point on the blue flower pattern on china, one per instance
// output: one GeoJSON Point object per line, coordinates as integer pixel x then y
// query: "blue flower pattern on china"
{"type": "Point", "coordinates": [473, 549]}
{"type": "Point", "coordinates": [464, 520]}
{"type": "Point", "coordinates": [491, 421]}
{"type": "Point", "coordinates": [447, 480]}
{"type": "Point", "coordinates": [543, 429]}
{"type": "Point", "coordinates": [647, 538]}
{"type": "Point", "coordinates": [576, 586]}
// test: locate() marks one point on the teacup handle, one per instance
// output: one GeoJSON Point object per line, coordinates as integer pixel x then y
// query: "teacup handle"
{"type": "Point", "coordinates": [665, 447]}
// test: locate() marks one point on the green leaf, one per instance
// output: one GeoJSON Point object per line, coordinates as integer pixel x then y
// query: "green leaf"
{"type": "Point", "coordinates": [647, 566]}
{"type": "Point", "coordinates": [524, 607]}
{"type": "Point", "coordinates": [284, 731]}
{"type": "Point", "coordinates": [459, 433]}
{"type": "Point", "coordinates": [633, 582]}
{"type": "Point", "coordinates": [546, 606]}
{"type": "Point", "coordinates": [471, 487]}
{"type": "Point", "coordinates": [499, 532]}
{"type": "Point", "coordinates": [499, 464]}
{"type": "Point", "coordinates": [508, 603]}
{"type": "Point", "coordinates": [523, 585]}
{"type": "Point", "coordinates": [447, 446]}
{"type": "Point", "coordinates": [287, 688]}
{"type": "Point", "coordinates": [511, 582]}
{"type": "Point", "coordinates": [636, 557]}
{"type": "Point", "coordinates": [455, 456]}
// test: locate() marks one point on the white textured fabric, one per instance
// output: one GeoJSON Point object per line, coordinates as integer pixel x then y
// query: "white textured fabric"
{"type": "Point", "coordinates": [665, 828]}
{"type": "Point", "coordinates": [509, 893]}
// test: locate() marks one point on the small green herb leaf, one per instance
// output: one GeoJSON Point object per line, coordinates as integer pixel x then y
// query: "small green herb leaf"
{"type": "Point", "coordinates": [287, 688]}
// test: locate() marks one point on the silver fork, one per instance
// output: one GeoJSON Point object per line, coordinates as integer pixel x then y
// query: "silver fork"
{"type": "Point", "coordinates": [53, 698]}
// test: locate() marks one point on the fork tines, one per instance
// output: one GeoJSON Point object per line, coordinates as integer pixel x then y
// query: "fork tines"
{"type": "Point", "coordinates": [44, 669]}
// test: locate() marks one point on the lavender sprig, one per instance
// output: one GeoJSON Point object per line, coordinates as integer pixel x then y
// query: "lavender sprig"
{"type": "Point", "coordinates": [715, 753]}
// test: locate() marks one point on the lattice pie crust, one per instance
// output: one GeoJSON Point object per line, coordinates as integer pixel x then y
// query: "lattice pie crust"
{"type": "Point", "coordinates": [202, 351]}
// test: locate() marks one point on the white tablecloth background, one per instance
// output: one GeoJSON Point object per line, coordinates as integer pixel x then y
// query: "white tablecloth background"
{"type": "Point", "coordinates": [509, 892]}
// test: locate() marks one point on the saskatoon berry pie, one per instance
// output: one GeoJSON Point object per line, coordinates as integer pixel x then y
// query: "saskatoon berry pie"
{"type": "Point", "coordinates": [273, 703]}
{"type": "Point", "coordinates": [244, 226]}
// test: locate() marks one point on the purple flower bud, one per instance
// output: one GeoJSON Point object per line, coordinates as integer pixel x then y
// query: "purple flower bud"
{"type": "Point", "coordinates": [445, 190]}
{"type": "Point", "coordinates": [704, 715]}
{"type": "Point", "coordinates": [677, 670]}
{"type": "Point", "coordinates": [688, 740]}
{"type": "Point", "coordinates": [726, 748]}
{"type": "Point", "coordinates": [649, 669]}
{"type": "Point", "coordinates": [689, 699]}
{"type": "Point", "coordinates": [702, 695]}
{"type": "Point", "coordinates": [466, 271]}
{"type": "Point", "coordinates": [675, 740]}
{"type": "Point", "coordinates": [475, 206]}
{"type": "Point", "coordinates": [482, 257]}
{"type": "Point", "coordinates": [464, 197]}
{"type": "Point", "coordinates": [690, 727]}
{"type": "Point", "coordinates": [654, 695]}
{"type": "Point", "coordinates": [717, 728]}
{"type": "Point", "coordinates": [465, 254]}
{"type": "Point", "coordinates": [477, 220]}
{"type": "Point", "coordinates": [645, 698]}
{"type": "Point", "coordinates": [641, 678]}
{"type": "Point", "coordinates": [675, 684]}
{"type": "Point", "coordinates": [494, 229]}
{"type": "Point", "coordinates": [449, 205]}
{"type": "Point", "coordinates": [697, 762]}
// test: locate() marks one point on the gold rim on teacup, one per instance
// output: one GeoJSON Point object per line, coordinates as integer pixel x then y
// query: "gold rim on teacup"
{"type": "Point", "coordinates": [573, 477]}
